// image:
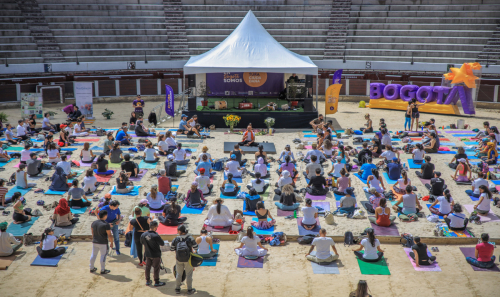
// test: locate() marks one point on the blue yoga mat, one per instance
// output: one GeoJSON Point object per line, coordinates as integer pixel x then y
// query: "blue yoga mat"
{"type": "Point", "coordinates": [496, 182]}
{"type": "Point", "coordinates": [412, 164]}
{"type": "Point", "coordinates": [470, 153]}
{"type": "Point", "coordinates": [311, 135]}
{"type": "Point", "coordinates": [16, 189]}
{"type": "Point", "coordinates": [269, 231]}
{"type": "Point", "coordinates": [436, 206]}
{"type": "Point", "coordinates": [447, 152]}
{"type": "Point", "coordinates": [358, 176]}
{"type": "Point", "coordinates": [96, 148]}
{"type": "Point", "coordinates": [134, 192]}
{"type": "Point", "coordinates": [21, 229]}
{"type": "Point", "coordinates": [447, 143]}
{"type": "Point", "coordinates": [228, 197]}
{"type": "Point", "coordinates": [236, 179]}
{"type": "Point", "coordinates": [388, 180]}
{"type": "Point", "coordinates": [189, 210]}
{"type": "Point", "coordinates": [2, 164]}
{"type": "Point", "coordinates": [470, 142]}
{"type": "Point", "coordinates": [212, 261]}
{"type": "Point", "coordinates": [82, 210]}
{"type": "Point", "coordinates": [180, 167]}
{"type": "Point", "coordinates": [144, 165]}
{"type": "Point", "coordinates": [338, 197]}
{"type": "Point", "coordinates": [245, 212]}
{"type": "Point", "coordinates": [50, 262]}
{"type": "Point", "coordinates": [463, 135]}
{"type": "Point", "coordinates": [50, 192]}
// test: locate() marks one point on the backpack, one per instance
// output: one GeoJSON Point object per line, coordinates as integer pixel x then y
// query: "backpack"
{"type": "Point", "coordinates": [100, 132]}
{"type": "Point", "coordinates": [406, 139]}
{"type": "Point", "coordinates": [128, 239]}
{"type": "Point", "coordinates": [329, 218]}
{"type": "Point", "coordinates": [182, 250]}
{"type": "Point", "coordinates": [218, 165]}
{"type": "Point", "coordinates": [307, 239]}
{"type": "Point", "coordinates": [406, 240]}
{"type": "Point", "coordinates": [28, 239]}
{"type": "Point", "coordinates": [408, 148]}
{"type": "Point", "coordinates": [348, 238]}
{"type": "Point", "coordinates": [195, 260]}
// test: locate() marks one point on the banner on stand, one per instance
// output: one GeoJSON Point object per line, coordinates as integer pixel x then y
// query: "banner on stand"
{"type": "Point", "coordinates": [83, 96]}
{"type": "Point", "coordinates": [332, 98]}
{"type": "Point", "coordinates": [31, 103]}
{"type": "Point", "coordinates": [169, 100]}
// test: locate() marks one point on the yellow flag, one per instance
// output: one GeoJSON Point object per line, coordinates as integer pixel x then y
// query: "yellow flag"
{"type": "Point", "coordinates": [332, 98]}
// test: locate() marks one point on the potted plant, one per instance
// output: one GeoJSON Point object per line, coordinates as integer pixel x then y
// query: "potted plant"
{"type": "Point", "coordinates": [3, 117]}
{"type": "Point", "coordinates": [231, 121]}
{"type": "Point", "coordinates": [269, 123]}
{"type": "Point", "coordinates": [203, 91]}
{"type": "Point", "coordinates": [51, 114]}
{"type": "Point", "coordinates": [107, 113]}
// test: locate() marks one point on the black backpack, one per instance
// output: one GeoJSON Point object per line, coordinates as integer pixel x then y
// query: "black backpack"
{"type": "Point", "coordinates": [182, 250]}
{"type": "Point", "coordinates": [348, 238]}
{"type": "Point", "coordinates": [307, 239]}
{"type": "Point", "coordinates": [406, 240]}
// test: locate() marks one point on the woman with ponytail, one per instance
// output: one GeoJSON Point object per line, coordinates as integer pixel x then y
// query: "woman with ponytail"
{"type": "Point", "coordinates": [219, 215]}
{"type": "Point", "coordinates": [229, 186]}
{"type": "Point", "coordinates": [371, 245]}
{"type": "Point", "coordinates": [419, 253]}
{"type": "Point", "coordinates": [258, 184]}
{"type": "Point", "coordinates": [250, 245]}
{"type": "Point", "coordinates": [172, 214]}
{"type": "Point", "coordinates": [180, 155]}
{"type": "Point", "coordinates": [287, 166]}
{"type": "Point", "coordinates": [462, 170]}
{"type": "Point", "coordinates": [403, 182]}
{"type": "Point", "coordinates": [375, 181]}
{"type": "Point", "coordinates": [445, 202]}
{"type": "Point", "coordinates": [48, 245]}
{"type": "Point", "coordinates": [156, 200]}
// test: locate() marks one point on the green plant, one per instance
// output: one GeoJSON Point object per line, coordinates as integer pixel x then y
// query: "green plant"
{"type": "Point", "coordinates": [3, 117]}
{"type": "Point", "coordinates": [107, 113]}
{"type": "Point", "coordinates": [51, 113]}
{"type": "Point", "coordinates": [269, 122]}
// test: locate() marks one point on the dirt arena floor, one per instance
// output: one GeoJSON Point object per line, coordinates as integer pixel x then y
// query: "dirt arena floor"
{"type": "Point", "coordinates": [286, 272]}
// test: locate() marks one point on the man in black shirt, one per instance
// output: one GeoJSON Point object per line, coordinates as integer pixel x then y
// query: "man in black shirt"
{"type": "Point", "coordinates": [426, 170]}
{"type": "Point", "coordinates": [152, 252]}
{"type": "Point", "coordinates": [130, 167]}
{"type": "Point", "coordinates": [419, 253]}
{"type": "Point", "coordinates": [437, 185]}
{"type": "Point", "coordinates": [363, 154]}
{"type": "Point", "coordinates": [101, 236]}
{"type": "Point", "coordinates": [171, 167]}
{"type": "Point", "coordinates": [317, 185]}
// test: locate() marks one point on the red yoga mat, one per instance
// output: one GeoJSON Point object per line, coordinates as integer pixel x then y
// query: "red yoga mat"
{"type": "Point", "coordinates": [87, 139]}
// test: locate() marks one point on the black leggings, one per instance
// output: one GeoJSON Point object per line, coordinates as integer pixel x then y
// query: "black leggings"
{"type": "Point", "coordinates": [78, 203]}
{"type": "Point", "coordinates": [138, 245]}
{"type": "Point", "coordinates": [265, 188]}
{"type": "Point", "coordinates": [17, 217]}
{"type": "Point", "coordinates": [360, 256]}
{"type": "Point", "coordinates": [50, 253]}
{"type": "Point", "coordinates": [316, 192]}
{"type": "Point", "coordinates": [152, 161]}
{"type": "Point", "coordinates": [233, 193]}
{"type": "Point", "coordinates": [172, 222]}
{"type": "Point", "coordinates": [420, 262]}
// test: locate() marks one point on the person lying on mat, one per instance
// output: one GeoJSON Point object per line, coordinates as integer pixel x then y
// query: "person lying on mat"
{"type": "Point", "coordinates": [233, 167]}
{"type": "Point", "coordinates": [363, 154]}
{"type": "Point", "coordinates": [130, 167]}
{"type": "Point", "coordinates": [204, 184]}
{"type": "Point", "coordinates": [445, 204]}
{"type": "Point", "coordinates": [463, 171]}
{"type": "Point", "coordinates": [236, 151]}
{"type": "Point", "coordinates": [286, 152]}
{"type": "Point", "coordinates": [376, 181]}
{"type": "Point", "coordinates": [343, 182]}
{"type": "Point", "coordinates": [400, 186]}
{"type": "Point", "coordinates": [483, 205]}
{"type": "Point", "coordinates": [375, 198]}
{"type": "Point", "coordinates": [205, 245]}
{"type": "Point", "coordinates": [258, 184]}
{"type": "Point", "coordinates": [456, 221]}
{"type": "Point", "coordinates": [250, 245]}
{"type": "Point", "coordinates": [371, 245]}
{"type": "Point", "coordinates": [311, 168]}
{"type": "Point", "coordinates": [426, 170]}
{"type": "Point", "coordinates": [116, 154]}
{"type": "Point", "coordinates": [229, 186]}
{"type": "Point", "coordinates": [248, 138]}
{"type": "Point", "coordinates": [21, 214]}
{"type": "Point", "coordinates": [322, 245]}
{"type": "Point", "coordinates": [366, 169]}
{"type": "Point", "coordinates": [410, 203]}
{"type": "Point", "coordinates": [123, 184]}
{"type": "Point", "coordinates": [59, 181]}
{"type": "Point", "coordinates": [383, 216]}
{"type": "Point", "coordinates": [483, 254]}
{"type": "Point", "coordinates": [261, 154]}
{"type": "Point", "coordinates": [320, 157]}
{"type": "Point", "coordinates": [287, 166]}
{"type": "Point", "coordinates": [48, 245]}
{"type": "Point", "coordinates": [150, 155]}
{"type": "Point", "coordinates": [347, 203]}
{"type": "Point", "coordinates": [317, 185]}
{"type": "Point", "coordinates": [62, 215]}
{"type": "Point", "coordinates": [288, 200]}
{"type": "Point", "coordinates": [180, 155]}
{"type": "Point", "coordinates": [76, 196]}
{"type": "Point", "coordinates": [194, 197]}
{"type": "Point", "coordinates": [195, 130]}
{"type": "Point", "coordinates": [261, 168]}
{"type": "Point", "coordinates": [479, 181]}
{"type": "Point", "coordinates": [310, 214]}
{"type": "Point", "coordinates": [335, 171]}
{"type": "Point", "coordinates": [206, 165]}
{"type": "Point", "coordinates": [418, 154]}
{"type": "Point", "coordinates": [156, 200]}
{"type": "Point", "coordinates": [419, 253]}
{"type": "Point", "coordinates": [285, 179]}
{"type": "Point", "coordinates": [262, 214]}
{"type": "Point", "coordinates": [8, 242]}
{"type": "Point", "coordinates": [437, 185]}
{"type": "Point", "coordinates": [219, 215]}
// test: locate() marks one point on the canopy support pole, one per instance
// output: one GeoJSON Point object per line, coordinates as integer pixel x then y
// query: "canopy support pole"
{"type": "Point", "coordinates": [317, 86]}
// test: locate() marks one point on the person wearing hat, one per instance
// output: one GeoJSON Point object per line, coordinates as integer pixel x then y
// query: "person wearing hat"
{"type": "Point", "coordinates": [164, 182]}
{"type": "Point", "coordinates": [248, 138]}
{"type": "Point", "coordinates": [204, 151]}
{"type": "Point", "coordinates": [335, 172]}
{"type": "Point", "coordinates": [233, 167]}
{"type": "Point", "coordinates": [194, 197]}
{"type": "Point", "coordinates": [347, 202]}
{"type": "Point", "coordinates": [261, 168]}
{"type": "Point", "coordinates": [141, 130]}
{"type": "Point", "coordinates": [491, 154]}
{"type": "Point", "coordinates": [143, 206]}
{"type": "Point", "coordinates": [183, 125]}
{"type": "Point", "coordinates": [462, 172]}
{"type": "Point", "coordinates": [48, 245]}
{"type": "Point", "coordinates": [8, 242]}
{"type": "Point", "coordinates": [204, 182]}
{"type": "Point", "coordinates": [171, 168]}
{"type": "Point", "coordinates": [103, 201]}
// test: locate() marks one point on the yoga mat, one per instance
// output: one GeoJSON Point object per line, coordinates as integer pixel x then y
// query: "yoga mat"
{"type": "Point", "coordinates": [388, 180]}
{"type": "Point", "coordinates": [5, 262]}
{"type": "Point", "coordinates": [337, 204]}
{"type": "Point", "coordinates": [311, 136]}
{"type": "Point", "coordinates": [496, 182]}
{"type": "Point", "coordinates": [139, 176]}
{"type": "Point", "coordinates": [18, 163]}
{"type": "Point", "coordinates": [15, 148]}
{"type": "Point", "coordinates": [66, 230]}
{"type": "Point", "coordinates": [87, 139]}
{"type": "Point", "coordinates": [412, 165]}
{"type": "Point", "coordinates": [470, 142]}
{"type": "Point", "coordinates": [236, 179]}
{"type": "Point", "coordinates": [447, 152]}
{"type": "Point", "coordinates": [21, 229]}
{"type": "Point", "coordinates": [491, 217]}
{"type": "Point", "coordinates": [82, 210]}
{"type": "Point", "coordinates": [155, 211]}
{"type": "Point", "coordinates": [104, 178]}
{"type": "Point", "coordinates": [392, 230]}
{"type": "Point", "coordinates": [16, 189]}
{"type": "Point", "coordinates": [115, 165]}
{"type": "Point", "coordinates": [67, 149]}
{"type": "Point", "coordinates": [182, 167]}
{"type": "Point", "coordinates": [303, 231]}
{"type": "Point", "coordinates": [364, 205]}
{"type": "Point", "coordinates": [447, 143]}
{"type": "Point", "coordinates": [460, 131]}
{"type": "Point", "coordinates": [245, 212]}
{"type": "Point", "coordinates": [228, 197]}
{"type": "Point", "coordinates": [463, 135]}
{"type": "Point", "coordinates": [269, 231]}
{"type": "Point", "coordinates": [134, 192]}
{"type": "Point", "coordinates": [83, 164]}
{"type": "Point", "coordinates": [322, 197]}
{"type": "Point", "coordinates": [284, 213]}
{"type": "Point", "coordinates": [50, 192]}
{"type": "Point", "coordinates": [373, 268]}
{"type": "Point", "coordinates": [436, 206]}
{"type": "Point", "coordinates": [433, 267]}
{"type": "Point", "coordinates": [244, 263]}
{"type": "Point", "coordinates": [470, 252]}
{"type": "Point", "coordinates": [338, 197]}
{"type": "Point", "coordinates": [425, 181]}
{"type": "Point", "coordinates": [358, 176]}
{"type": "Point", "coordinates": [166, 230]}
{"type": "Point", "coordinates": [210, 228]}
{"type": "Point", "coordinates": [324, 205]}
{"type": "Point", "coordinates": [212, 261]}
{"type": "Point", "coordinates": [189, 210]}
{"type": "Point", "coordinates": [4, 163]}
{"type": "Point", "coordinates": [324, 268]}
{"type": "Point", "coordinates": [144, 165]}
{"type": "Point", "coordinates": [49, 262]}
{"type": "Point", "coordinates": [96, 148]}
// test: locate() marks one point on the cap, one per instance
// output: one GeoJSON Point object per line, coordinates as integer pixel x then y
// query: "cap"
{"type": "Point", "coordinates": [395, 159]}
{"type": "Point", "coordinates": [461, 160]}
{"type": "Point", "coordinates": [339, 158]}
{"type": "Point", "coordinates": [233, 156]}
{"type": "Point", "coordinates": [162, 171]}
{"type": "Point", "coordinates": [202, 170]}
{"type": "Point", "coordinates": [184, 116]}
{"type": "Point", "coordinates": [287, 145]}
{"type": "Point", "coordinates": [194, 184]}
{"type": "Point", "coordinates": [170, 157]}
{"type": "Point", "coordinates": [107, 196]}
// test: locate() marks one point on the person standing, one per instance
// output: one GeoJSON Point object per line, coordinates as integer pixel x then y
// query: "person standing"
{"type": "Point", "coordinates": [138, 104]}
{"type": "Point", "coordinates": [113, 219]}
{"type": "Point", "coordinates": [183, 245]}
{"type": "Point", "coordinates": [101, 235]}
{"type": "Point", "coordinates": [152, 252]}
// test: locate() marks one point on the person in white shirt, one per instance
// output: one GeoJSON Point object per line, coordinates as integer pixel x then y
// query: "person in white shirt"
{"type": "Point", "coordinates": [285, 179]}
{"type": "Point", "coordinates": [386, 138]}
{"type": "Point", "coordinates": [204, 182]}
{"type": "Point", "coordinates": [371, 245]}
{"type": "Point", "coordinates": [445, 204]}
{"type": "Point", "coordinates": [180, 155]}
{"type": "Point", "coordinates": [314, 152]}
{"type": "Point", "coordinates": [335, 172]}
{"type": "Point", "coordinates": [310, 214]}
{"type": "Point", "coordinates": [66, 166]}
{"type": "Point", "coordinates": [46, 124]}
{"type": "Point", "coordinates": [479, 181]}
{"type": "Point", "coordinates": [163, 146]}
{"type": "Point", "coordinates": [48, 245]}
{"type": "Point", "coordinates": [483, 205]}
{"type": "Point", "coordinates": [21, 131]}
{"type": "Point", "coordinates": [456, 220]}
{"type": "Point", "coordinates": [219, 214]}
{"type": "Point", "coordinates": [10, 136]}
{"type": "Point", "coordinates": [418, 154]}
{"type": "Point", "coordinates": [53, 153]}
{"type": "Point", "coordinates": [286, 152]}
{"type": "Point", "coordinates": [260, 168]}
{"type": "Point", "coordinates": [258, 184]}
{"type": "Point", "coordinates": [8, 242]}
{"type": "Point", "coordinates": [389, 154]}
{"type": "Point", "coordinates": [150, 154]}
{"type": "Point", "coordinates": [233, 167]}
{"type": "Point", "coordinates": [250, 245]}
{"type": "Point", "coordinates": [77, 129]}
{"type": "Point", "coordinates": [90, 181]}
{"type": "Point", "coordinates": [25, 154]}
{"type": "Point", "coordinates": [4, 156]}
{"type": "Point", "coordinates": [322, 245]}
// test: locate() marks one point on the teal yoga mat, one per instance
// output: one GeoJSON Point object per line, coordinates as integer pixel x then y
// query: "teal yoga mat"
{"type": "Point", "coordinates": [50, 192]}
{"type": "Point", "coordinates": [2, 164]}
{"type": "Point", "coordinates": [144, 165]}
{"type": "Point", "coordinates": [16, 189]}
{"type": "Point", "coordinates": [228, 197]}
{"type": "Point", "coordinates": [134, 192]}
{"type": "Point", "coordinates": [212, 261]}
{"type": "Point", "coordinates": [21, 229]}
{"type": "Point", "coordinates": [388, 180]}
{"type": "Point", "coordinates": [82, 210]}
{"type": "Point", "coordinates": [269, 231]}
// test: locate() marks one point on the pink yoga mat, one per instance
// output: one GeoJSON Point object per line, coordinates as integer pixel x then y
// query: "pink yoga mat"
{"type": "Point", "coordinates": [17, 165]}
{"type": "Point", "coordinates": [284, 213]}
{"type": "Point", "coordinates": [315, 197]}
{"type": "Point", "coordinates": [491, 217]}
{"type": "Point", "coordinates": [87, 139]}
{"type": "Point", "coordinates": [433, 267]}
{"type": "Point", "coordinates": [245, 263]}
{"type": "Point", "coordinates": [104, 178]}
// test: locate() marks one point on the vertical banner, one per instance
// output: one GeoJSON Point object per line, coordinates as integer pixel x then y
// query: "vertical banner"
{"type": "Point", "coordinates": [31, 103]}
{"type": "Point", "coordinates": [337, 76]}
{"type": "Point", "coordinates": [169, 100]}
{"type": "Point", "coordinates": [332, 98]}
{"type": "Point", "coordinates": [83, 98]}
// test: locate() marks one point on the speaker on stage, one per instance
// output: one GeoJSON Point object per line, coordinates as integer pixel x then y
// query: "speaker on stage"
{"type": "Point", "coordinates": [308, 104]}
{"type": "Point", "coordinates": [192, 103]}
{"type": "Point", "coordinates": [309, 81]}
{"type": "Point", "coordinates": [191, 80]}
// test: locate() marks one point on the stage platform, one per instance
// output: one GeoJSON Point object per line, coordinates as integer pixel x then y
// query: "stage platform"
{"type": "Point", "coordinates": [269, 148]}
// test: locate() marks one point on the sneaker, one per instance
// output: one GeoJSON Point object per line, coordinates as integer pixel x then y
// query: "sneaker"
{"type": "Point", "coordinates": [142, 264]}
{"type": "Point", "coordinates": [192, 291]}
{"type": "Point", "coordinates": [159, 284]}
{"type": "Point", "coordinates": [177, 291]}
{"type": "Point", "coordinates": [118, 253]}
{"type": "Point", "coordinates": [105, 271]}
{"type": "Point", "coordinates": [93, 270]}
{"type": "Point", "coordinates": [148, 283]}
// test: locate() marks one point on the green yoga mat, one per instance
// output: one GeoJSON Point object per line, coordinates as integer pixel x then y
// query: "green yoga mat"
{"type": "Point", "coordinates": [374, 268]}
{"type": "Point", "coordinates": [189, 145]}
{"type": "Point", "coordinates": [114, 165]}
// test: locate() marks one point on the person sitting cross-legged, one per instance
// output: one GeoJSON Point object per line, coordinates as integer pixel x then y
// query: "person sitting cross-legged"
{"type": "Point", "coordinates": [317, 185]}
{"type": "Point", "coordinates": [288, 200]}
{"type": "Point", "coordinates": [419, 253]}
{"type": "Point", "coordinates": [322, 245]}
{"type": "Point", "coordinates": [383, 216]}
{"type": "Point", "coordinates": [484, 257]}
{"type": "Point", "coordinates": [205, 245]}
{"type": "Point", "coordinates": [371, 245]}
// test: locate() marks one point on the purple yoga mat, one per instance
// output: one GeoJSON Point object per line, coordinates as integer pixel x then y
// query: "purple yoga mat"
{"type": "Point", "coordinates": [245, 263]}
{"type": "Point", "coordinates": [392, 230]}
{"type": "Point", "coordinates": [425, 181]}
{"type": "Point", "coordinates": [433, 267]}
{"type": "Point", "coordinates": [139, 176]}
{"type": "Point", "coordinates": [324, 205]}
{"type": "Point", "coordinates": [82, 164]}
{"type": "Point", "coordinates": [315, 197]}
{"type": "Point", "coordinates": [284, 213]}
{"type": "Point", "coordinates": [470, 252]}
{"type": "Point", "coordinates": [210, 228]}
{"type": "Point", "coordinates": [460, 131]}
{"type": "Point", "coordinates": [155, 211]}
{"type": "Point", "coordinates": [303, 231]}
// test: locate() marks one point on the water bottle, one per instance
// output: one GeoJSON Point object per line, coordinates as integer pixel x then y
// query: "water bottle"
{"type": "Point", "coordinates": [295, 213]}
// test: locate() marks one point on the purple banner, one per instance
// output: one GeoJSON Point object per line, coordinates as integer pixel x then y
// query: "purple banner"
{"type": "Point", "coordinates": [337, 76]}
{"type": "Point", "coordinates": [258, 84]}
{"type": "Point", "coordinates": [169, 100]}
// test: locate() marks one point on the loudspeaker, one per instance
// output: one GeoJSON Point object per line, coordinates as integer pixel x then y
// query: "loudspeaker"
{"type": "Point", "coordinates": [191, 80]}
{"type": "Point", "coordinates": [192, 103]}
{"type": "Point", "coordinates": [308, 104]}
{"type": "Point", "coordinates": [309, 81]}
